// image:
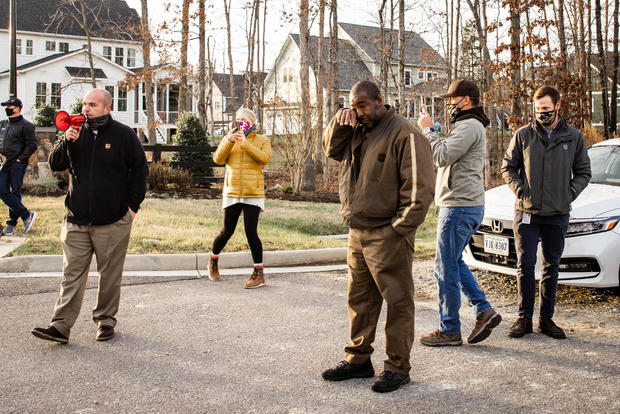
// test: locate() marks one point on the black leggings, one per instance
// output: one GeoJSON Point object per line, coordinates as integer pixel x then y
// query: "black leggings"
{"type": "Point", "coordinates": [250, 223]}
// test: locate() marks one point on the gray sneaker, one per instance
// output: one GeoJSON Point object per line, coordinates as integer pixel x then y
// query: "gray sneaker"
{"type": "Point", "coordinates": [9, 230]}
{"type": "Point", "coordinates": [29, 221]}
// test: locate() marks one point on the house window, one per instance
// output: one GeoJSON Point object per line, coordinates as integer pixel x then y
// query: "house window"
{"type": "Point", "coordinates": [29, 47]}
{"type": "Point", "coordinates": [55, 95]}
{"type": "Point", "coordinates": [107, 52]}
{"type": "Point", "coordinates": [143, 89]}
{"type": "Point", "coordinates": [18, 46]}
{"type": "Point", "coordinates": [431, 75]}
{"type": "Point", "coordinates": [287, 74]}
{"type": "Point", "coordinates": [420, 74]}
{"type": "Point", "coordinates": [40, 95]}
{"type": "Point", "coordinates": [63, 47]}
{"type": "Point", "coordinates": [121, 100]}
{"type": "Point", "coordinates": [111, 90]}
{"type": "Point", "coordinates": [50, 46]}
{"type": "Point", "coordinates": [131, 58]}
{"type": "Point", "coordinates": [119, 55]}
{"type": "Point", "coordinates": [407, 77]}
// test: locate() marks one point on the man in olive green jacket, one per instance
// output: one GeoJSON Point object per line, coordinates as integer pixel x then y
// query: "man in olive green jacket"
{"type": "Point", "coordinates": [386, 186]}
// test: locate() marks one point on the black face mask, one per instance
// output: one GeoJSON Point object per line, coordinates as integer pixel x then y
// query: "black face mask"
{"type": "Point", "coordinates": [546, 118]}
{"type": "Point", "coordinates": [9, 111]}
{"type": "Point", "coordinates": [454, 110]}
{"type": "Point", "coordinates": [97, 122]}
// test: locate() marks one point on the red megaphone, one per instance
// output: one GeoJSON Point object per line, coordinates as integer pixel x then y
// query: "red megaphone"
{"type": "Point", "coordinates": [65, 121]}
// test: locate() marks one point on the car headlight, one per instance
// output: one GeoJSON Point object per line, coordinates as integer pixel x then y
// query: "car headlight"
{"type": "Point", "coordinates": [580, 227]}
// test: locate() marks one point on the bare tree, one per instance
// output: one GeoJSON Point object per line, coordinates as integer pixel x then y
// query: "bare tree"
{"type": "Point", "coordinates": [229, 40]}
{"type": "Point", "coordinates": [613, 122]}
{"type": "Point", "coordinates": [332, 80]}
{"type": "Point", "coordinates": [202, 112]}
{"type": "Point", "coordinates": [515, 60]}
{"type": "Point", "coordinates": [320, 78]}
{"type": "Point", "coordinates": [401, 55]}
{"type": "Point", "coordinates": [309, 177]}
{"type": "Point", "coordinates": [603, 67]}
{"type": "Point", "coordinates": [183, 85]}
{"type": "Point", "coordinates": [147, 73]}
{"type": "Point", "coordinates": [562, 35]}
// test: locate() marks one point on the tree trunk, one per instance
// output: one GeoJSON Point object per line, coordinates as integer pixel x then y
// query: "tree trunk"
{"type": "Point", "coordinates": [183, 86]}
{"type": "Point", "coordinates": [230, 57]}
{"type": "Point", "coordinates": [515, 58]}
{"type": "Point", "coordinates": [613, 122]}
{"type": "Point", "coordinates": [148, 74]}
{"type": "Point", "coordinates": [320, 77]}
{"type": "Point", "coordinates": [202, 112]}
{"type": "Point", "coordinates": [332, 81]}
{"type": "Point", "coordinates": [457, 37]}
{"type": "Point", "coordinates": [309, 176]}
{"type": "Point", "coordinates": [603, 69]}
{"type": "Point", "coordinates": [385, 53]}
{"type": "Point", "coordinates": [210, 71]}
{"type": "Point", "coordinates": [93, 79]}
{"type": "Point", "coordinates": [562, 36]}
{"type": "Point", "coordinates": [401, 57]}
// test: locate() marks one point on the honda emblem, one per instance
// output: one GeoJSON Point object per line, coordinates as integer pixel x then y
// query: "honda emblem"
{"type": "Point", "coordinates": [497, 226]}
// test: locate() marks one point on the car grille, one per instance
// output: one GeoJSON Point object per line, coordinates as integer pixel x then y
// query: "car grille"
{"type": "Point", "coordinates": [476, 244]}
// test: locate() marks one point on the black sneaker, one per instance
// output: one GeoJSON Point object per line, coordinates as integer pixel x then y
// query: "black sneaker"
{"type": "Point", "coordinates": [487, 320]}
{"type": "Point", "coordinates": [389, 381]}
{"type": "Point", "coordinates": [344, 371]}
{"type": "Point", "coordinates": [549, 328]}
{"type": "Point", "coordinates": [50, 334]}
{"type": "Point", "coordinates": [521, 327]}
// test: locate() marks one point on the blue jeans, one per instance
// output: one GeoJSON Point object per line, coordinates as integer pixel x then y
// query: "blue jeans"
{"type": "Point", "coordinates": [11, 180]}
{"type": "Point", "coordinates": [455, 226]}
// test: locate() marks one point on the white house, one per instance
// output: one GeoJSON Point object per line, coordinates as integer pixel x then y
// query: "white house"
{"type": "Point", "coordinates": [359, 58]}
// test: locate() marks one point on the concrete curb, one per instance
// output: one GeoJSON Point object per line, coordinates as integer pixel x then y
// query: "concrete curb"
{"type": "Point", "coordinates": [176, 262]}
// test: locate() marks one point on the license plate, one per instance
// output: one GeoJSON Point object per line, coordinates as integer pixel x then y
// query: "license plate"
{"type": "Point", "coordinates": [496, 244]}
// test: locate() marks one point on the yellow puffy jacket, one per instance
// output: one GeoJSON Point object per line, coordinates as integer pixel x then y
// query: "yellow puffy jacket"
{"type": "Point", "coordinates": [244, 165]}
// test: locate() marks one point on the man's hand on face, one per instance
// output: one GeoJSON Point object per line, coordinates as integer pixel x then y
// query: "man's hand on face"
{"type": "Point", "coordinates": [73, 133]}
{"type": "Point", "coordinates": [347, 117]}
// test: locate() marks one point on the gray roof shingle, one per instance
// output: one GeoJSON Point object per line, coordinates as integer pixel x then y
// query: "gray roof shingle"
{"type": "Point", "coordinates": [417, 51]}
{"type": "Point", "coordinates": [112, 19]}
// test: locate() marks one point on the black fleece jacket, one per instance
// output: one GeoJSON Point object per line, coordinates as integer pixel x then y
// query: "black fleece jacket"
{"type": "Point", "coordinates": [108, 173]}
{"type": "Point", "coordinates": [18, 139]}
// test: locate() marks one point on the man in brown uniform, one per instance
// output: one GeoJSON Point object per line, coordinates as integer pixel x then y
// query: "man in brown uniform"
{"type": "Point", "coordinates": [386, 186]}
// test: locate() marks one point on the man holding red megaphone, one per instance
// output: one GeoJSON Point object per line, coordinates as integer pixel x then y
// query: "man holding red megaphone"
{"type": "Point", "coordinates": [108, 172]}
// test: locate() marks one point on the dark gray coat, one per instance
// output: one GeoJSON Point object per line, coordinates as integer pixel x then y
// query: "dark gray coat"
{"type": "Point", "coordinates": [546, 175]}
{"type": "Point", "coordinates": [17, 140]}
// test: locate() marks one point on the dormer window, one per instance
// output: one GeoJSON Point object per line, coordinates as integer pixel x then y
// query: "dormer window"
{"type": "Point", "coordinates": [50, 46]}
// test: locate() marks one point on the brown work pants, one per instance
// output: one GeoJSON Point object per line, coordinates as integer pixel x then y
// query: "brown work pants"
{"type": "Point", "coordinates": [380, 269]}
{"type": "Point", "coordinates": [109, 243]}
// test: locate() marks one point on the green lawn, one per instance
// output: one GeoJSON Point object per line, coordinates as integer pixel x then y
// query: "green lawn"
{"type": "Point", "coordinates": [189, 226]}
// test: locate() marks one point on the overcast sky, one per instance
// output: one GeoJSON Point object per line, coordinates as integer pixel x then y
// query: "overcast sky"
{"type": "Point", "coordinates": [424, 21]}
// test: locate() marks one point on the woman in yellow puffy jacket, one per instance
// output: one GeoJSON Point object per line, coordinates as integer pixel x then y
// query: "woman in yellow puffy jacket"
{"type": "Point", "coordinates": [245, 153]}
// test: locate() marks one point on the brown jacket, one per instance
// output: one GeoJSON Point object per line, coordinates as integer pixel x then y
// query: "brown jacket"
{"type": "Point", "coordinates": [396, 179]}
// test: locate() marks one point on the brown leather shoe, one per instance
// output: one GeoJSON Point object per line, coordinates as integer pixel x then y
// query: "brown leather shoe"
{"type": "Point", "coordinates": [50, 334]}
{"type": "Point", "coordinates": [439, 338]}
{"type": "Point", "coordinates": [104, 333]}
{"type": "Point", "coordinates": [549, 328]}
{"type": "Point", "coordinates": [214, 271]}
{"type": "Point", "coordinates": [256, 280]}
{"type": "Point", "coordinates": [521, 327]}
{"type": "Point", "coordinates": [485, 323]}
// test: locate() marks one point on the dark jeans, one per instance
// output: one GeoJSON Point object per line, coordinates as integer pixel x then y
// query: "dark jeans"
{"type": "Point", "coordinates": [11, 180]}
{"type": "Point", "coordinates": [551, 230]}
{"type": "Point", "coordinates": [250, 223]}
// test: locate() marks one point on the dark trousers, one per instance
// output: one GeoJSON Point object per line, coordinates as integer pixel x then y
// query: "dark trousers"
{"type": "Point", "coordinates": [551, 231]}
{"type": "Point", "coordinates": [11, 180]}
{"type": "Point", "coordinates": [250, 224]}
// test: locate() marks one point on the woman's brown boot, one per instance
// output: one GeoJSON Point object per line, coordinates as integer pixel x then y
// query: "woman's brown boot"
{"type": "Point", "coordinates": [214, 272]}
{"type": "Point", "coordinates": [256, 280]}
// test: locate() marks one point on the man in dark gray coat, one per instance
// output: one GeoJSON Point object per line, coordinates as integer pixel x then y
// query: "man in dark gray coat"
{"type": "Point", "coordinates": [547, 167]}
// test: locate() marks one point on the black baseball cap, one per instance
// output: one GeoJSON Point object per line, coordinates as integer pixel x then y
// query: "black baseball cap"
{"type": "Point", "coordinates": [12, 102]}
{"type": "Point", "coordinates": [462, 87]}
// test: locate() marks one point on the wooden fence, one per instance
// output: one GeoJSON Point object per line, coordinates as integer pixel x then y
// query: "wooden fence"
{"type": "Point", "coordinates": [157, 149]}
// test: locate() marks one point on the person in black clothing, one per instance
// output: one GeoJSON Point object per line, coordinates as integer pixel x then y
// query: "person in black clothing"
{"type": "Point", "coordinates": [18, 144]}
{"type": "Point", "coordinates": [547, 166]}
{"type": "Point", "coordinates": [108, 173]}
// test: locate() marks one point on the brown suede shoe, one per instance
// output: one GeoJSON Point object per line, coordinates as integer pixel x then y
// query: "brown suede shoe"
{"type": "Point", "coordinates": [439, 338]}
{"type": "Point", "coordinates": [256, 280]}
{"type": "Point", "coordinates": [214, 271]}
{"type": "Point", "coordinates": [485, 323]}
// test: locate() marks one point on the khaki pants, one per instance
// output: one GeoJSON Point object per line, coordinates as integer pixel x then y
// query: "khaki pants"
{"type": "Point", "coordinates": [380, 269]}
{"type": "Point", "coordinates": [109, 243]}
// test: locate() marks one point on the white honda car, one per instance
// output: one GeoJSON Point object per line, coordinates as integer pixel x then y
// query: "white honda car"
{"type": "Point", "coordinates": [591, 254]}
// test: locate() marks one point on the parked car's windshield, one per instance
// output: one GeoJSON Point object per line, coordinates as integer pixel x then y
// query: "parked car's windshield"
{"type": "Point", "coordinates": [605, 163]}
